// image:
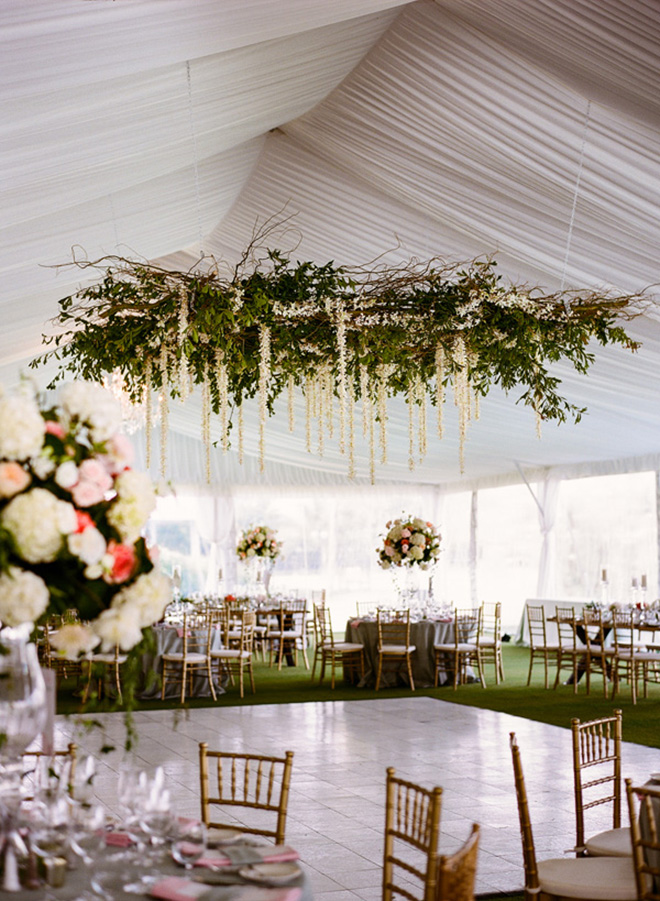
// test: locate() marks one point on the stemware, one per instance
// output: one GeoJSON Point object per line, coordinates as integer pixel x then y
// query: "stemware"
{"type": "Point", "coordinates": [189, 843]}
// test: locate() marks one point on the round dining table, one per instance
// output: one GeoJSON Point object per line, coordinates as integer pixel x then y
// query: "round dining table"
{"type": "Point", "coordinates": [424, 634]}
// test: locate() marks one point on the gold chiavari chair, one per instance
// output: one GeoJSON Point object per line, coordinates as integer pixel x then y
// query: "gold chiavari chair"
{"type": "Point", "coordinates": [538, 641]}
{"type": "Point", "coordinates": [317, 599]}
{"type": "Point", "coordinates": [594, 878]}
{"type": "Point", "coordinates": [570, 651]}
{"type": "Point", "coordinates": [489, 639]}
{"type": "Point", "coordinates": [597, 781]}
{"type": "Point", "coordinates": [394, 642]}
{"type": "Point", "coordinates": [630, 659]}
{"type": "Point", "coordinates": [457, 872]}
{"type": "Point", "coordinates": [349, 654]}
{"type": "Point", "coordinates": [455, 657]}
{"type": "Point", "coordinates": [412, 831]}
{"type": "Point", "coordinates": [645, 840]}
{"type": "Point", "coordinates": [235, 657]}
{"type": "Point", "coordinates": [194, 657]}
{"type": "Point", "coordinates": [287, 630]}
{"type": "Point", "coordinates": [101, 666]}
{"type": "Point", "coordinates": [58, 768]}
{"type": "Point", "coordinates": [247, 781]}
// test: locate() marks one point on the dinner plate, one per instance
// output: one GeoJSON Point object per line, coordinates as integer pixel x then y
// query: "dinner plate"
{"type": "Point", "coordinates": [227, 836]}
{"type": "Point", "coordinates": [273, 873]}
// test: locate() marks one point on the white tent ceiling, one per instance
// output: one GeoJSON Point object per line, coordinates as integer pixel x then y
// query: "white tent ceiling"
{"type": "Point", "coordinates": [166, 128]}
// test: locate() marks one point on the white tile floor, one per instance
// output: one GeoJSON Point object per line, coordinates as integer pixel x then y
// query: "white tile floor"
{"type": "Point", "coordinates": [336, 806]}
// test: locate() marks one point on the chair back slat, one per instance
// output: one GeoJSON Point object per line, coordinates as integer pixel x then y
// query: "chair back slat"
{"type": "Point", "coordinates": [596, 769]}
{"type": "Point", "coordinates": [412, 820]}
{"type": "Point", "coordinates": [251, 781]}
{"type": "Point", "coordinates": [529, 852]}
{"type": "Point", "coordinates": [645, 841]}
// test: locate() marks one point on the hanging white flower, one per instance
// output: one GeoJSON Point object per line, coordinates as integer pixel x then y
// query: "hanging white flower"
{"type": "Point", "coordinates": [148, 597]}
{"type": "Point", "coordinates": [118, 626]}
{"type": "Point", "coordinates": [24, 596]}
{"type": "Point", "coordinates": [38, 522]}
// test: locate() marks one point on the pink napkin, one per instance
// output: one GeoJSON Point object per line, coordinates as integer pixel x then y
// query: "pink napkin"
{"type": "Point", "coordinates": [355, 623]}
{"type": "Point", "coordinates": [247, 854]}
{"type": "Point", "coordinates": [178, 888]}
{"type": "Point", "coordinates": [118, 839]}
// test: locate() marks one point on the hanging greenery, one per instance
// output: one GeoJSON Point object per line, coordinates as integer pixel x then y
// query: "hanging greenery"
{"type": "Point", "coordinates": [339, 335]}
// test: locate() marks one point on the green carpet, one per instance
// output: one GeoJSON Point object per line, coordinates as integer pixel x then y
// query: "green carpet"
{"type": "Point", "coordinates": [293, 685]}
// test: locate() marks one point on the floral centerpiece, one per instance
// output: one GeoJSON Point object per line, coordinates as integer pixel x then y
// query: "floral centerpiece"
{"type": "Point", "coordinates": [258, 541]}
{"type": "Point", "coordinates": [71, 513]}
{"type": "Point", "coordinates": [409, 541]}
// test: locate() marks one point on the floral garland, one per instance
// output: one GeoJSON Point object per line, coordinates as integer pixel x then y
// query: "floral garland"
{"type": "Point", "coordinates": [258, 541]}
{"type": "Point", "coordinates": [338, 335]}
{"type": "Point", "coordinates": [409, 541]}
{"type": "Point", "coordinates": [71, 514]}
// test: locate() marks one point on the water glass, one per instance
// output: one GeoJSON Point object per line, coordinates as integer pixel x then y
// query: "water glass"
{"type": "Point", "coordinates": [189, 843]}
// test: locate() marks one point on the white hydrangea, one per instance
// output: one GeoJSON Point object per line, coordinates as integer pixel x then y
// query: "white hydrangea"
{"type": "Point", "coordinates": [148, 597]}
{"type": "Point", "coordinates": [66, 474]}
{"type": "Point", "coordinates": [93, 405]}
{"type": "Point", "coordinates": [416, 552]}
{"type": "Point", "coordinates": [88, 545]}
{"type": "Point", "coordinates": [418, 539]}
{"type": "Point", "coordinates": [118, 626]}
{"type": "Point", "coordinates": [135, 501]}
{"type": "Point", "coordinates": [42, 467]}
{"type": "Point", "coordinates": [38, 521]}
{"type": "Point", "coordinates": [74, 639]}
{"type": "Point", "coordinates": [23, 596]}
{"type": "Point", "coordinates": [22, 427]}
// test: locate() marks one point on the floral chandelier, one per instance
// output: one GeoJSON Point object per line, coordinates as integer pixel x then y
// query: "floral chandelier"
{"type": "Point", "coordinates": [339, 335]}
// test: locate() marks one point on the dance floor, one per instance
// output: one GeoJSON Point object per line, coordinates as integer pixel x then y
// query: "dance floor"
{"type": "Point", "coordinates": [336, 806]}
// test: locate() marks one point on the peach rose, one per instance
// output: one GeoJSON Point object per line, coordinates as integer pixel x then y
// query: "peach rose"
{"type": "Point", "coordinates": [13, 479]}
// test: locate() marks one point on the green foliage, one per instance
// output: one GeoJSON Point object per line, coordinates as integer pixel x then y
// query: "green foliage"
{"type": "Point", "coordinates": [395, 320]}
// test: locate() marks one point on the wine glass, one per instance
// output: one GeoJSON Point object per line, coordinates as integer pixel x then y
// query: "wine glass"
{"type": "Point", "coordinates": [189, 843]}
{"type": "Point", "coordinates": [87, 831]}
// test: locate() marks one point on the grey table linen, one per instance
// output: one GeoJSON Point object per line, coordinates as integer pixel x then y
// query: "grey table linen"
{"type": "Point", "coordinates": [424, 634]}
{"type": "Point", "coordinates": [168, 641]}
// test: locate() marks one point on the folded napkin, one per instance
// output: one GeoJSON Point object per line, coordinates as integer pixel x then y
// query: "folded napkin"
{"type": "Point", "coordinates": [240, 854]}
{"type": "Point", "coordinates": [118, 839]}
{"type": "Point", "coordinates": [178, 888]}
{"type": "Point", "coordinates": [355, 623]}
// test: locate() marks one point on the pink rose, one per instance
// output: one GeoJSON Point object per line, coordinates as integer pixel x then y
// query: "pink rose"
{"type": "Point", "coordinates": [405, 533]}
{"type": "Point", "coordinates": [123, 563]}
{"type": "Point", "coordinates": [13, 479]}
{"type": "Point", "coordinates": [119, 454]}
{"type": "Point", "coordinates": [93, 471]}
{"type": "Point", "coordinates": [389, 551]}
{"type": "Point", "coordinates": [86, 493]}
{"type": "Point", "coordinates": [54, 428]}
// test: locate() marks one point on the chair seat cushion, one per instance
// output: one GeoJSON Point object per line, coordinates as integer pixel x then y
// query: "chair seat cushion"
{"type": "Point", "coordinates": [343, 646]}
{"type": "Point", "coordinates": [396, 649]}
{"type": "Point", "coordinates": [611, 843]}
{"type": "Point", "coordinates": [605, 878]}
{"type": "Point", "coordinates": [465, 648]}
{"type": "Point", "coordinates": [189, 658]}
{"type": "Point", "coordinates": [230, 654]}
{"type": "Point", "coordinates": [106, 658]}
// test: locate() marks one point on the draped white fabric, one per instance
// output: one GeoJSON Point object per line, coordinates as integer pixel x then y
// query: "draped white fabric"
{"type": "Point", "coordinates": [163, 128]}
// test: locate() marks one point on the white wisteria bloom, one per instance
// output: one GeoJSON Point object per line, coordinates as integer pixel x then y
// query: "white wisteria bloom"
{"type": "Point", "coordinates": [118, 626]}
{"type": "Point", "coordinates": [22, 427]}
{"type": "Point", "coordinates": [24, 596]}
{"type": "Point", "coordinates": [38, 522]}
{"type": "Point", "coordinates": [93, 405]}
{"type": "Point", "coordinates": [136, 499]}
{"type": "Point", "coordinates": [74, 639]}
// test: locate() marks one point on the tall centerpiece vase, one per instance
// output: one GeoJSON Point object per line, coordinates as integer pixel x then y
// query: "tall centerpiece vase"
{"type": "Point", "coordinates": [23, 713]}
{"type": "Point", "coordinates": [408, 581]}
{"type": "Point", "coordinates": [23, 708]}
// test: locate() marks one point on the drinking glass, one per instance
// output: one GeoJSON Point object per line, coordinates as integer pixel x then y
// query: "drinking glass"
{"type": "Point", "coordinates": [189, 843]}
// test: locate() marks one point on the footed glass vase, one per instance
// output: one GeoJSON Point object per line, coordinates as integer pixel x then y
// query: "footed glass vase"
{"type": "Point", "coordinates": [408, 581]}
{"type": "Point", "coordinates": [259, 571]}
{"type": "Point", "coordinates": [23, 708]}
